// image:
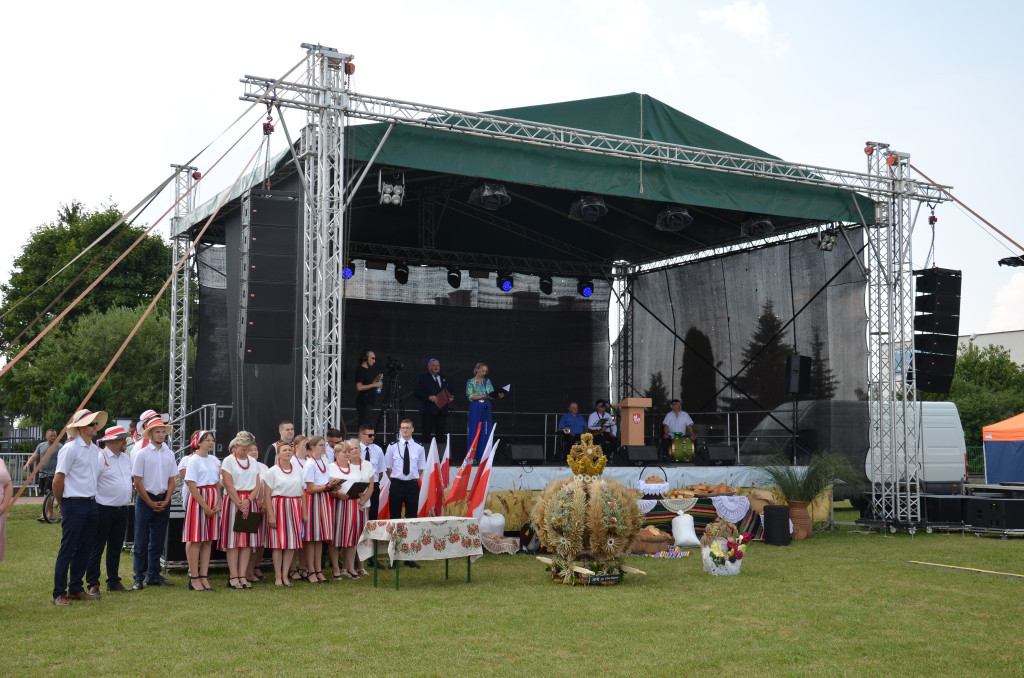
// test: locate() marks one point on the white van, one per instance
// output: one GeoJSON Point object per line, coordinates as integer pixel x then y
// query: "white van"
{"type": "Point", "coordinates": [842, 427]}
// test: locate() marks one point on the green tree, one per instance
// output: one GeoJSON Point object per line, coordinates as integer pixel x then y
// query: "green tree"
{"type": "Point", "coordinates": [138, 381]}
{"type": "Point", "coordinates": [657, 393]}
{"type": "Point", "coordinates": [63, 401]}
{"type": "Point", "coordinates": [133, 282]}
{"type": "Point", "coordinates": [987, 387]}
{"type": "Point", "coordinates": [823, 380]}
{"type": "Point", "coordinates": [699, 382]}
{"type": "Point", "coordinates": [764, 379]}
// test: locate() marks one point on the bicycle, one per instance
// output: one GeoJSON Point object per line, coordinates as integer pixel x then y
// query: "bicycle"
{"type": "Point", "coordinates": [51, 512]}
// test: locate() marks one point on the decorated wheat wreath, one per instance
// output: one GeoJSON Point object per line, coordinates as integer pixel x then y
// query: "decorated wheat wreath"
{"type": "Point", "coordinates": [587, 521]}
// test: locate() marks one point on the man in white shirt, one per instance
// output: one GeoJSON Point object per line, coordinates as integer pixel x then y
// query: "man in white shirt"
{"type": "Point", "coordinates": [404, 464]}
{"type": "Point", "coordinates": [74, 490]}
{"type": "Point", "coordinates": [602, 424]}
{"type": "Point", "coordinates": [113, 500]}
{"type": "Point", "coordinates": [676, 421]}
{"type": "Point", "coordinates": [155, 475]}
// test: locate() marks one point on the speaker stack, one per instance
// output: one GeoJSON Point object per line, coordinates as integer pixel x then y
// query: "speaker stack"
{"type": "Point", "coordinates": [936, 327]}
{"type": "Point", "coordinates": [272, 277]}
{"type": "Point", "coordinates": [798, 374]}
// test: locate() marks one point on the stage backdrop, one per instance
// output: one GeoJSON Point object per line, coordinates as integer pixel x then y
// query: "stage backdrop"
{"type": "Point", "coordinates": [726, 309]}
{"type": "Point", "coordinates": [552, 349]}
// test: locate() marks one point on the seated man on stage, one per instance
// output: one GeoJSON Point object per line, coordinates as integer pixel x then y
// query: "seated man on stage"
{"type": "Point", "coordinates": [675, 422]}
{"type": "Point", "coordinates": [602, 425]}
{"type": "Point", "coordinates": [571, 426]}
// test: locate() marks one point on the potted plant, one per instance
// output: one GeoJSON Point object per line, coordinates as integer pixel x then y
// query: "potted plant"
{"type": "Point", "coordinates": [801, 485]}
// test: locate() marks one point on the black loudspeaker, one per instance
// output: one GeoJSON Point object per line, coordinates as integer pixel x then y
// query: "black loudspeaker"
{"type": "Point", "coordinates": [272, 275]}
{"type": "Point", "coordinates": [174, 548]}
{"type": "Point", "coordinates": [943, 508]}
{"type": "Point", "coordinates": [798, 375]}
{"type": "Point", "coordinates": [937, 324]}
{"type": "Point", "coordinates": [527, 454]}
{"type": "Point", "coordinates": [640, 454]}
{"type": "Point", "coordinates": [776, 525]}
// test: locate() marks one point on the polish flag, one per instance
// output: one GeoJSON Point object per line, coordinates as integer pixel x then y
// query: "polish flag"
{"type": "Point", "coordinates": [478, 497]}
{"type": "Point", "coordinates": [445, 462]}
{"type": "Point", "coordinates": [383, 500]}
{"type": "Point", "coordinates": [460, 486]}
{"type": "Point", "coordinates": [431, 493]}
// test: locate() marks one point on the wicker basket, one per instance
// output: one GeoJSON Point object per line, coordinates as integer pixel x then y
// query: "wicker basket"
{"type": "Point", "coordinates": [653, 490]}
{"type": "Point", "coordinates": [713, 568]}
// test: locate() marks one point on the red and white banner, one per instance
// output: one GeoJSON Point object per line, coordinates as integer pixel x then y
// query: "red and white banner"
{"type": "Point", "coordinates": [431, 493]}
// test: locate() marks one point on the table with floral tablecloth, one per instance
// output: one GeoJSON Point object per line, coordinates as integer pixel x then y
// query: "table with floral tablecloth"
{"type": "Point", "coordinates": [440, 538]}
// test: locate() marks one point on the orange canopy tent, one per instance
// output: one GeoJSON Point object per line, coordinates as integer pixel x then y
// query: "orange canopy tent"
{"type": "Point", "coordinates": [1004, 450]}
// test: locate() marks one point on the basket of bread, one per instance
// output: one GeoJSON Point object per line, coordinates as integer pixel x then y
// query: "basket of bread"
{"type": "Point", "coordinates": [653, 486]}
{"type": "Point", "coordinates": [650, 540]}
{"type": "Point", "coordinates": [679, 499]}
{"type": "Point", "coordinates": [719, 490]}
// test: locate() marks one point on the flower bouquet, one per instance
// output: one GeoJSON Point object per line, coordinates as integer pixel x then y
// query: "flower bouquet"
{"type": "Point", "coordinates": [724, 556]}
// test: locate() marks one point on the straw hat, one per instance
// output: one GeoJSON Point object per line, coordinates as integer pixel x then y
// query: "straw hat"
{"type": "Point", "coordinates": [114, 433]}
{"type": "Point", "coordinates": [150, 420]}
{"type": "Point", "coordinates": [83, 418]}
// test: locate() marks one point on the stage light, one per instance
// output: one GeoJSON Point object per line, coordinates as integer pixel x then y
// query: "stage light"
{"type": "Point", "coordinates": [585, 288]}
{"type": "Point", "coordinates": [392, 189]}
{"type": "Point", "coordinates": [402, 273]}
{"type": "Point", "coordinates": [588, 208]}
{"type": "Point", "coordinates": [454, 277]}
{"type": "Point", "coordinates": [547, 285]}
{"type": "Point", "coordinates": [827, 239]}
{"type": "Point", "coordinates": [349, 270]}
{"type": "Point", "coordinates": [758, 226]}
{"type": "Point", "coordinates": [673, 218]}
{"type": "Point", "coordinates": [489, 196]}
{"type": "Point", "coordinates": [504, 282]}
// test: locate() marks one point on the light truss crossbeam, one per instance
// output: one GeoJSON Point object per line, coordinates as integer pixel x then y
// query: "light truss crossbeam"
{"type": "Point", "coordinates": [471, 260]}
{"type": "Point", "coordinates": [380, 109]}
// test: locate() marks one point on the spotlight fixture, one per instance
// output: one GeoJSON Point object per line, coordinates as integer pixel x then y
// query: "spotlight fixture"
{"type": "Point", "coordinates": [402, 273]}
{"type": "Point", "coordinates": [348, 270]}
{"type": "Point", "coordinates": [585, 288]}
{"type": "Point", "coordinates": [673, 218]}
{"type": "Point", "coordinates": [756, 226]}
{"type": "Point", "coordinates": [489, 196]}
{"type": "Point", "coordinates": [547, 285]}
{"type": "Point", "coordinates": [391, 188]}
{"type": "Point", "coordinates": [454, 277]}
{"type": "Point", "coordinates": [588, 208]}
{"type": "Point", "coordinates": [504, 282]}
{"type": "Point", "coordinates": [827, 239]}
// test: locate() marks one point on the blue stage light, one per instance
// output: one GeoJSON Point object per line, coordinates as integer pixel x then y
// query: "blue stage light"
{"type": "Point", "coordinates": [504, 282]}
{"type": "Point", "coordinates": [349, 270]}
{"type": "Point", "coordinates": [585, 288]}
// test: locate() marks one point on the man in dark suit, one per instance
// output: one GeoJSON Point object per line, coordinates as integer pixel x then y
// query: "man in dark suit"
{"type": "Point", "coordinates": [433, 419]}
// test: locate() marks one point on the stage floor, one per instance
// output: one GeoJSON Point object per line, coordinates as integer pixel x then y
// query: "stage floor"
{"type": "Point", "coordinates": [538, 477]}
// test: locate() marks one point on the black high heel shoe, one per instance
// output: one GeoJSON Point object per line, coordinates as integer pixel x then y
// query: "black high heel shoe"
{"type": "Point", "coordinates": [190, 580]}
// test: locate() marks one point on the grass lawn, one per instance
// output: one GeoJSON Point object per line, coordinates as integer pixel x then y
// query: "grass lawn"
{"type": "Point", "coordinates": [840, 603]}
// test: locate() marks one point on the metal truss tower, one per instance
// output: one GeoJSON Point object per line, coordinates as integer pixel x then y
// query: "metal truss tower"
{"type": "Point", "coordinates": [326, 97]}
{"type": "Point", "coordinates": [623, 275]}
{"type": "Point", "coordinates": [895, 444]}
{"type": "Point", "coordinates": [322, 154]}
{"type": "Point", "coordinates": [181, 297]}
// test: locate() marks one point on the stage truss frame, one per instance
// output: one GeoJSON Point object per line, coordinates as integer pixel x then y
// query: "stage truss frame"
{"type": "Point", "coordinates": [326, 96]}
{"type": "Point", "coordinates": [181, 298]}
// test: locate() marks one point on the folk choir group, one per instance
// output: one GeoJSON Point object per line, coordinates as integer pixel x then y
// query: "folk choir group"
{"type": "Point", "coordinates": [311, 492]}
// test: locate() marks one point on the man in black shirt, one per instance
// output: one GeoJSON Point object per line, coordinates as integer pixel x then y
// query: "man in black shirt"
{"type": "Point", "coordinates": [366, 387]}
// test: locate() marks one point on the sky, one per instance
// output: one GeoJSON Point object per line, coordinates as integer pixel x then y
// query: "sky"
{"type": "Point", "coordinates": [103, 97]}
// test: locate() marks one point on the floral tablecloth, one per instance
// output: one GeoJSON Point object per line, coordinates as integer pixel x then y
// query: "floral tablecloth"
{"type": "Point", "coordinates": [423, 538]}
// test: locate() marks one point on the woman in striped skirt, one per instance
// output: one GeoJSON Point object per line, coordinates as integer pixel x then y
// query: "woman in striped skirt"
{"type": "Point", "coordinates": [240, 476]}
{"type": "Point", "coordinates": [202, 505]}
{"type": "Point", "coordinates": [349, 468]}
{"type": "Point", "coordinates": [319, 526]}
{"type": "Point", "coordinates": [262, 538]}
{"type": "Point", "coordinates": [283, 485]}
{"type": "Point", "coordinates": [300, 444]}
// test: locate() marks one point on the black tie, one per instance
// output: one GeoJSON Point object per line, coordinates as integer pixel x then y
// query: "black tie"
{"type": "Point", "coordinates": [405, 462]}
{"type": "Point", "coordinates": [367, 451]}
{"type": "Point", "coordinates": [438, 380]}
